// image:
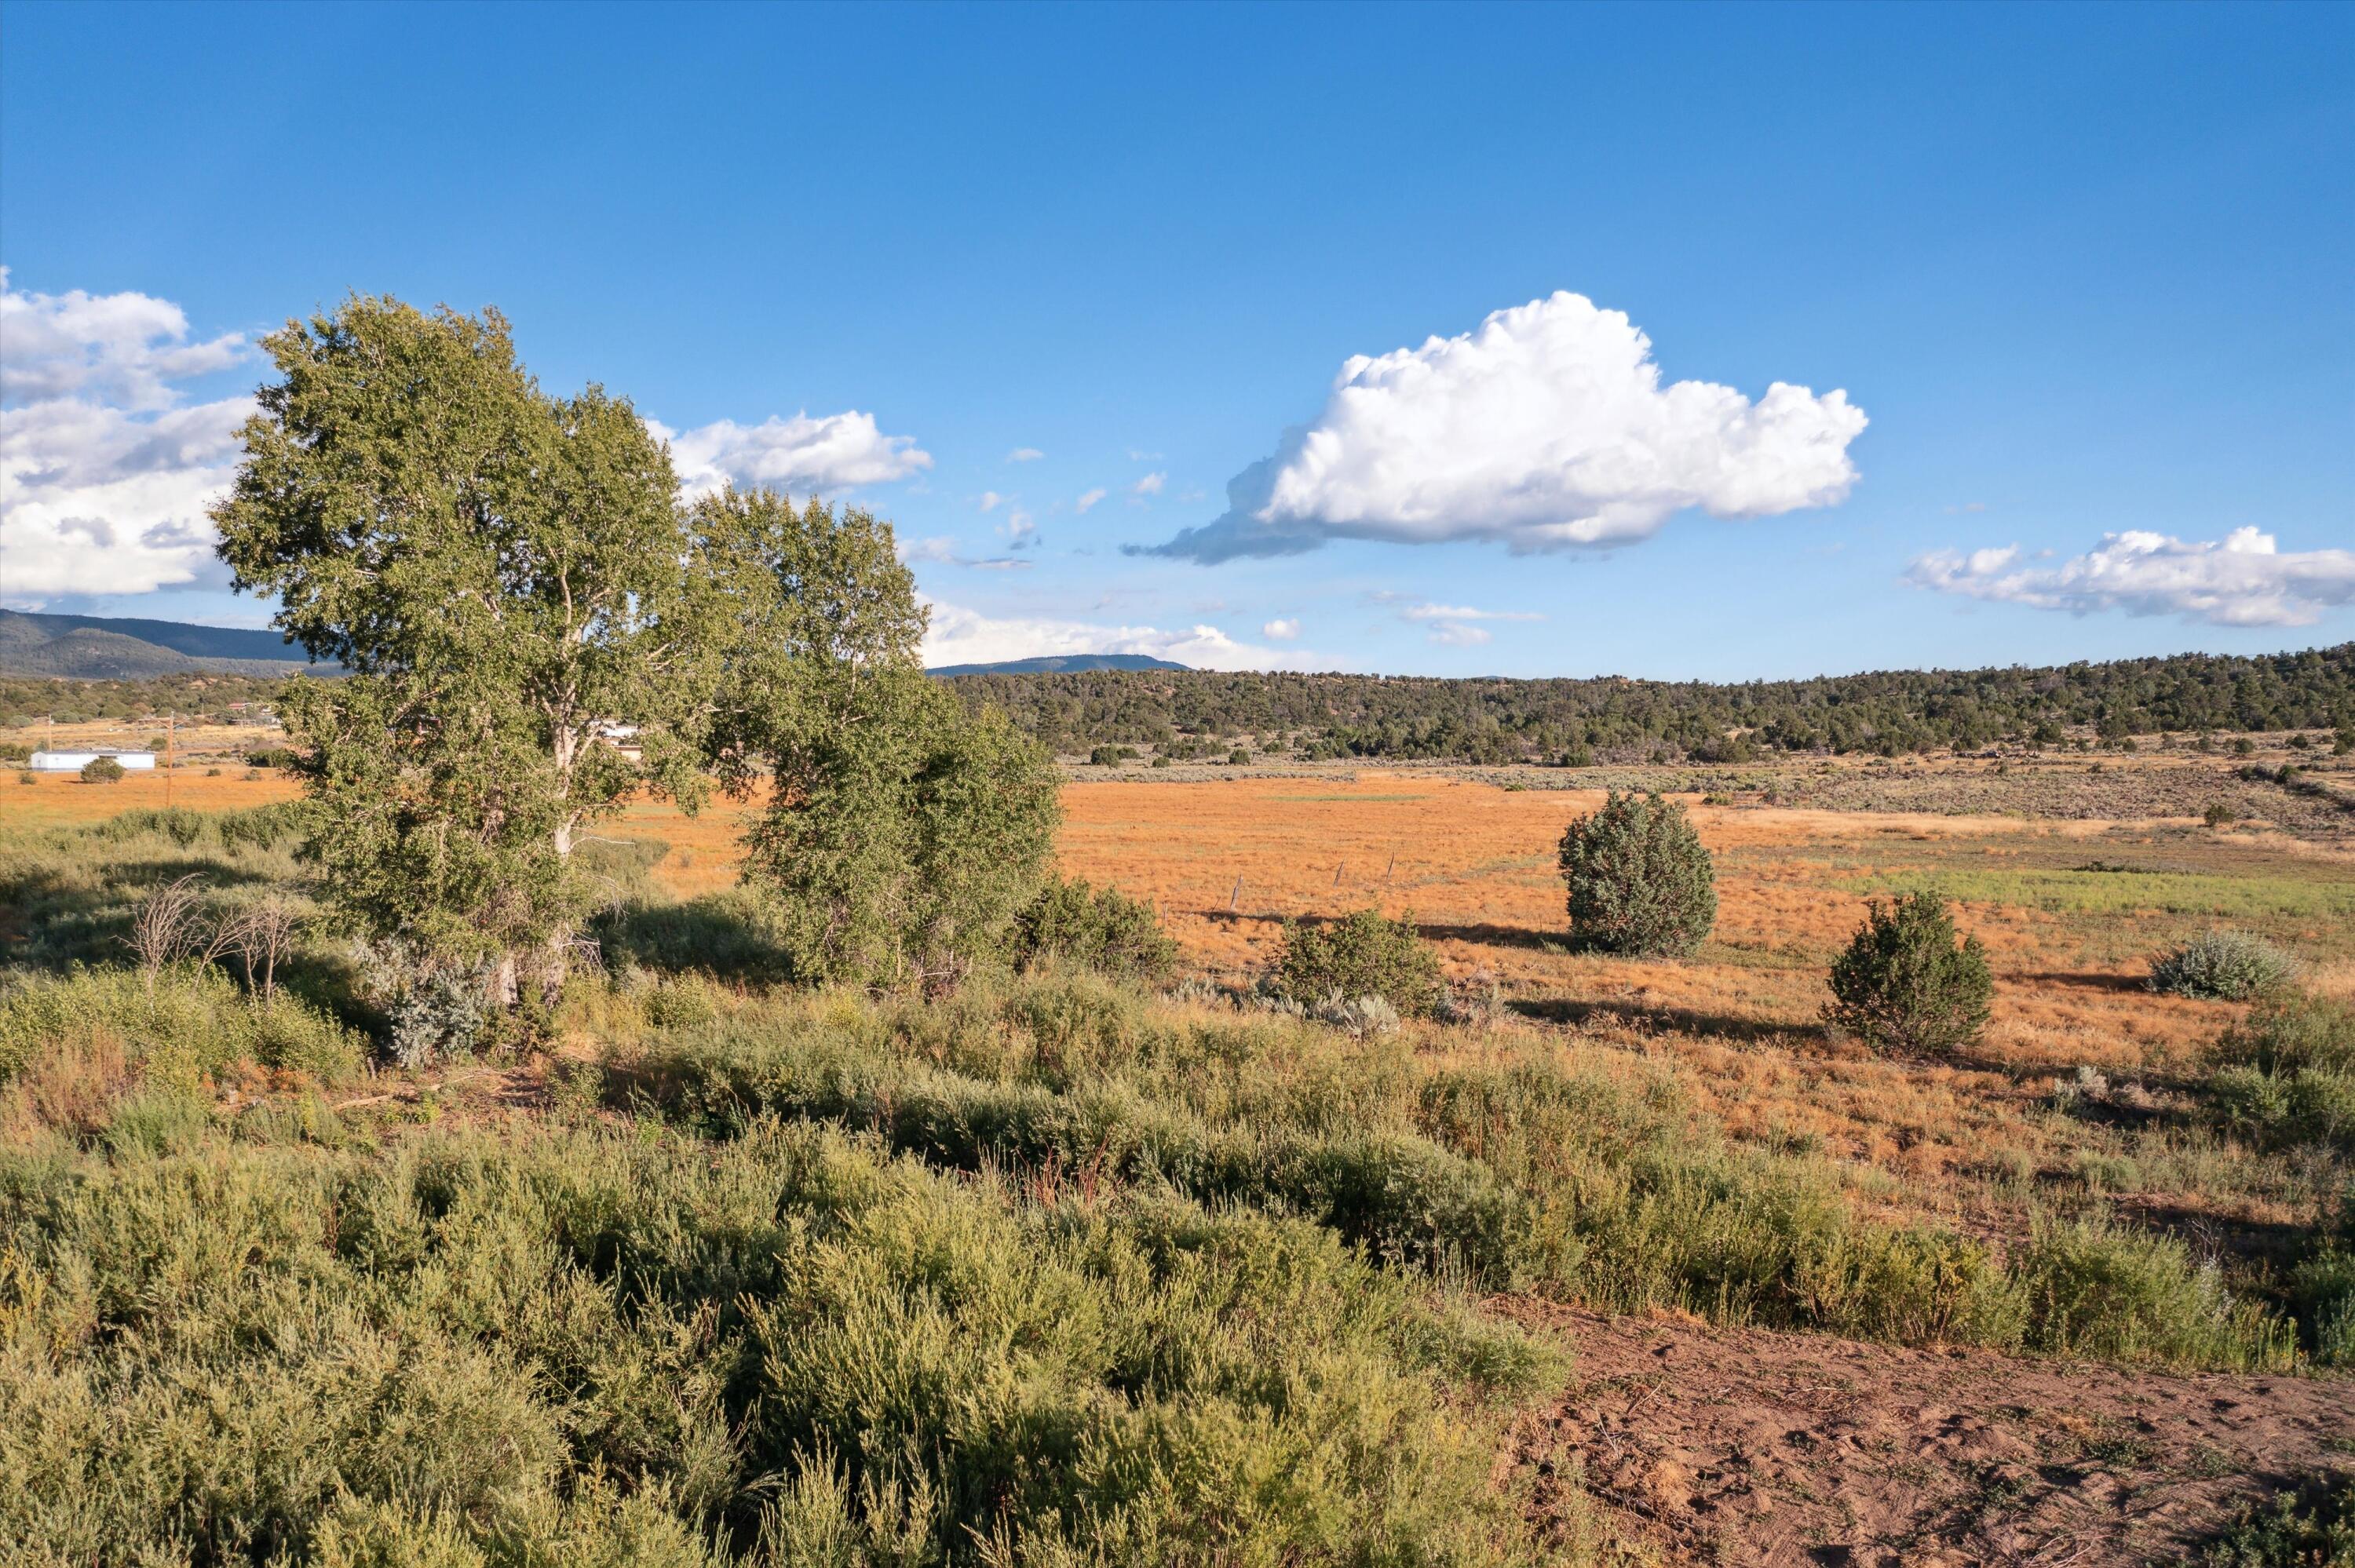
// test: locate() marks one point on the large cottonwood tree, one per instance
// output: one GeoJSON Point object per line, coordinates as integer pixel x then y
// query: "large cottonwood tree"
{"type": "Point", "coordinates": [502, 571]}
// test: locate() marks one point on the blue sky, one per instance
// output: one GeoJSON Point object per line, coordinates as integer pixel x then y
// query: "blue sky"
{"type": "Point", "coordinates": [2086, 272]}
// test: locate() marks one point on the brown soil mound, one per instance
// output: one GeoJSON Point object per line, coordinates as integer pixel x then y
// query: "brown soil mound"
{"type": "Point", "coordinates": [1750, 1447]}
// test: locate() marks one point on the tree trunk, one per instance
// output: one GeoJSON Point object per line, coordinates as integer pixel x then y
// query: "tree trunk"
{"type": "Point", "coordinates": [504, 987]}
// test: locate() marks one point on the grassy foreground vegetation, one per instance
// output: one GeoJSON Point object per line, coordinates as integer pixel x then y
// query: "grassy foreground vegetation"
{"type": "Point", "coordinates": [292, 1343]}
{"type": "Point", "coordinates": [1049, 1270]}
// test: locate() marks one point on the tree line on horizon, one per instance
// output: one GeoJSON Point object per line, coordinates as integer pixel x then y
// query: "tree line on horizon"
{"type": "Point", "coordinates": [1573, 721]}
{"type": "Point", "coordinates": [1497, 720]}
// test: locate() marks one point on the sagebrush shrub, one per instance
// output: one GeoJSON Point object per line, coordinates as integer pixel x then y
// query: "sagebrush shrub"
{"type": "Point", "coordinates": [2222, 965]}
{"type": "Point", "coordinates": [1640, 881]}
{"type": "Point", "coordinates": [102, 770]}
{"type": "Point", "coordinates": [1356, 1016]}
{"type": "Point", "coordinates": [1360, 954]}
{"type": "Point", "coordinates": [443, 1014]}
{"type": "Point", "coordinates": [1906, 980]}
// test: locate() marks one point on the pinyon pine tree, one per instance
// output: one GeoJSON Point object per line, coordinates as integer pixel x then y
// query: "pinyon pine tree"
{"type": "Point", "coordinates": [1640, 881]}
{"type": "Point", "coordinates": [1907, 980]}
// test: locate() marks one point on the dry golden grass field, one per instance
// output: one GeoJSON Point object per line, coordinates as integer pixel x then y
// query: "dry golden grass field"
{"type": "Point", "coordinates": [2070, 909]}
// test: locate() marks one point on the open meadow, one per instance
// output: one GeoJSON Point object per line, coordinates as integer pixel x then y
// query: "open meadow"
{"type": "Point", "coordinates": [1691, 1274]}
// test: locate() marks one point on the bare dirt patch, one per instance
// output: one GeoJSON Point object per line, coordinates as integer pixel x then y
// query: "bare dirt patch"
{"type": "Point", "coordinates": [1729, 1446]}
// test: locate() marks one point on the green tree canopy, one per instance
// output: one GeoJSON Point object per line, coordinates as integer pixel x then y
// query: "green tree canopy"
{"type": "Point", "coordinates": [902, 832]}
{"type": "Point", "coordinates": [502, 571]}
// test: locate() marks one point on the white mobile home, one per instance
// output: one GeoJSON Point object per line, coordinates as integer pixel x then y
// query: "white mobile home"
{"type": "Point", "coordinates": [75, 761]}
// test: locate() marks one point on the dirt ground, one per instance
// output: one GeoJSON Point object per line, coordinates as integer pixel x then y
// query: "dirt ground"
{"type": "Point", "coordinates": [1747, 1446]}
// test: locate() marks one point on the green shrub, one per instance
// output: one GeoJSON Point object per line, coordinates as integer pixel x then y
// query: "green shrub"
{"type": "Point", "coordinates": [102, 770]}
{"type": "Point", "coordinates": [1111, 756]}
{"type": "Point", "coordinates": [1905, 981]}
{"type": "Point", "coordinates": [682, 1001]}
{"type": "Point", "coordinates": [2285, 1073]}
{"type": "Point", "coordinates": [192, 1023]}
{"type": "Point", "coordinates": [2290, 1032]}
{"type": "Point", "coordinates": [723, 934]}
{"type": "Point", "coordinates": [2301, 1105]}
{"type": "Point", "coordinates": [569, 1346]}
{"type": "Point", "coordinates": [2322, 1289]}
{"type": "Point", "coordinates": [1098, 928]}
{"type": "Point", "coordinates": [2222, 965]}
{"type": "Point", "coordinates": [1239, 756]}
{"type": "Point", "coordinates": [1359, 954]}
{"type": "Point", "coordinates": [2094, 1288]}
{"type": "Point", "coordinates": [1640, 882]}
{"type": "Point", "coordinates": [2310, 1526]}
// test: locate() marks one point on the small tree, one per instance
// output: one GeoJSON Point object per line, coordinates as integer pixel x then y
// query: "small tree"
{"type": "Point", "coordinates": [1907, 982]}
{"type": "Point", "coordinates": [1640, 881]}
{"type": "Point", "coordinates": [903, 831]}
{"type": "Point", "coordinates": [1360, 955]}
{"type": "Point", "coordinates": [102, 770]}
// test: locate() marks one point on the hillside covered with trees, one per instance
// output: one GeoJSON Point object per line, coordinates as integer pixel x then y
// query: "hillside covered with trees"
{"type": "Point", "coordinates": [1498, 720]}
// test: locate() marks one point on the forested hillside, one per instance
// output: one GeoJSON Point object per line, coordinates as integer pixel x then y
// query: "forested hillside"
{"type": "Point", "coordinates": [28, 699]}
{"type": "Point", "coordinates": [1497, 720]}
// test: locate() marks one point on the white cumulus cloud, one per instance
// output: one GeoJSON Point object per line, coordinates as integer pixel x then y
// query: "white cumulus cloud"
{"type": "Point", "coordinates": [1283, 629]}
{"type": "Point", "coordinates": [1024, 454]}
{"type": "Point", "coordinates": [1545, 428]}
{"type": "Point", "coordinates": [2244, 579]}
{"type": "Point", "coordinates": [962, 636]}
{"type": "Point", "coordinates": [105, 471]}
{"type": "Point", "coordinates": [124, 349]}
{"type": "Point", "coordinates": [1087, 498]}
{"type": "Point", "coordinates": [821, 456]}
{"type": "Point", "coordinates": [1151, 484]}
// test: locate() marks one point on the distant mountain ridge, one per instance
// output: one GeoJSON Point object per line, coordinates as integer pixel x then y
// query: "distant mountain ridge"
{"type": "Point", "coordinates": [103, 648]}
{"type": "Point", "coordinates": [1061, 663]}
{"type": "Point", "coordinates": [108, 647]}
